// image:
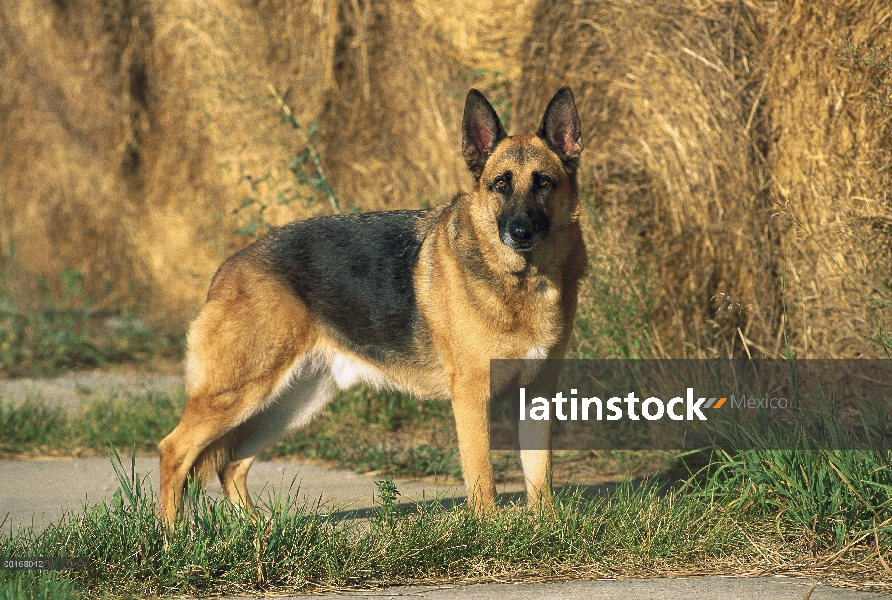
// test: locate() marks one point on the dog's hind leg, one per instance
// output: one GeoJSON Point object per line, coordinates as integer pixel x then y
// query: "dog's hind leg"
{"type": "Point", "coordinates": [234, 479]}
{"type": "Point", "coordinates": [241, 349]}
{"type": "Point", "coordinates": [294, 407]}
{"type": "Point", "coordinates": [191, 446]}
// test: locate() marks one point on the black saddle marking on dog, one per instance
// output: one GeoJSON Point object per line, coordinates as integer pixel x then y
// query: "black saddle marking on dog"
{"type": "Point", "coordinates": [356, 273]}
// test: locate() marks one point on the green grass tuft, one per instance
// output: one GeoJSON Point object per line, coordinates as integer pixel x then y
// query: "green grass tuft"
{"type": "Point", "coordinates": [36, 426]}
{"type": "Point", "coordinates": [295, 546]}
{"type": "Point", "coordinates": [39, 585]}
{"type": "Point", "coordinates": [66, 332]}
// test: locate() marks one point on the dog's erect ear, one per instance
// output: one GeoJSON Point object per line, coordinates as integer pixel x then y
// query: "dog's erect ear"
{"type": "Point", "coordinates": [560, 128]}
{"type": "Point", "coordinates": [481, 131]}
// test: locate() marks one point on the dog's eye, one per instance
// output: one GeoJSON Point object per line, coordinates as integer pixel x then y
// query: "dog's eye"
{"type": "Point", "coordinates": [543, 182]}
{"type": "Point", "coordinates": [502, 183]}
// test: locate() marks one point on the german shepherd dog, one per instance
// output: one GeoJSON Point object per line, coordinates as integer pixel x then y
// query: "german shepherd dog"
{"type": "Point", "coordinates": [416, 300]}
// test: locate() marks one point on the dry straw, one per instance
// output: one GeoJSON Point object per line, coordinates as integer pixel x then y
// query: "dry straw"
{"type": "Point", "coordinates": [130, 133]}
{"type": "Point", "coordinates": [728, 149]}
{"type": "Point", "coordinates": [830, 171]}
{"type": "Point", "coordinates": [69, 124]}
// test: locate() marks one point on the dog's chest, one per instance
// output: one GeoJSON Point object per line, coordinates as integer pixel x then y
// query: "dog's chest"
{"type": "Point", "coordinates": [534, 321]}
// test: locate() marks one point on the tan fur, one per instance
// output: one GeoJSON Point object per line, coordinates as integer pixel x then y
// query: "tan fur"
{"type": "Point", "coordinates": [260, 363]}
{"type": "Point", "coordinates": [529, 308]}
{"type": "Point", "coordinates": [241, 346]}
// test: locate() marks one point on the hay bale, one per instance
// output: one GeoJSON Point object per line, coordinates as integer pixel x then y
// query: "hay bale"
{"type": "Point", "coordinates": [392, 132]}
{"type": "Point", "coordinates": [127, 130]}
{"type": "Point", "coordinates": [389, 131]}
{"type": "Point", "coordinates": [217, 73]}
{"type": "Point", "coordinates": [831, 166]}
{"type": "Point", "coordinates": [382, 87]}
{"type": "Point", "coordinates": [665, 92]}
{"type": "Point", "coordinates": [67, 126]}
{"type": "Point", "coordinates": [132, 132]}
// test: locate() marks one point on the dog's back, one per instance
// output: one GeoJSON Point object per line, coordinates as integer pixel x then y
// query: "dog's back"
{"type": "Point", "coordinates": [354, 273]}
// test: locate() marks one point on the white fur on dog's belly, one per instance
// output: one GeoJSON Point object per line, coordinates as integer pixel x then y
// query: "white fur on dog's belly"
{"type": "Point", "coordinates": [348, 372]}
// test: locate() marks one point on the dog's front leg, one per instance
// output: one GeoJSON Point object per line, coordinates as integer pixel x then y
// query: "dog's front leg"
{"type": "Point", "coordinates": [534, 437]}
{"type": "Point", "coordinates": [470, 404]}
{"type": "Point", "coordinates": [535, 459]}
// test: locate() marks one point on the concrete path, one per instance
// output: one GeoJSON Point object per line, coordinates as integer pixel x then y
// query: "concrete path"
{"type": "Point", "coordinates": [39, 491]}
{"type": "Point", "coordinates": [695, 588]}
{"type": "Point", "coordinates": [71, 390]}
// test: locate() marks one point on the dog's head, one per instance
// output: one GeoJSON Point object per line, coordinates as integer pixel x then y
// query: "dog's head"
{"type": "Point", "coordinates": [527, 182]}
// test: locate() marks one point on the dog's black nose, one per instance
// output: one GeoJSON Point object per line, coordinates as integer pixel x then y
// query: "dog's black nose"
{"type": "Point", "coordinates": [521, 229]}
{"type": "Point", "coordinates": [524, 229]}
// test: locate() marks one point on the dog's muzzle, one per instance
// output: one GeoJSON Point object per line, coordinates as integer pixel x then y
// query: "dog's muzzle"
{"type": "Point", "coordinates": [524, 229]}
